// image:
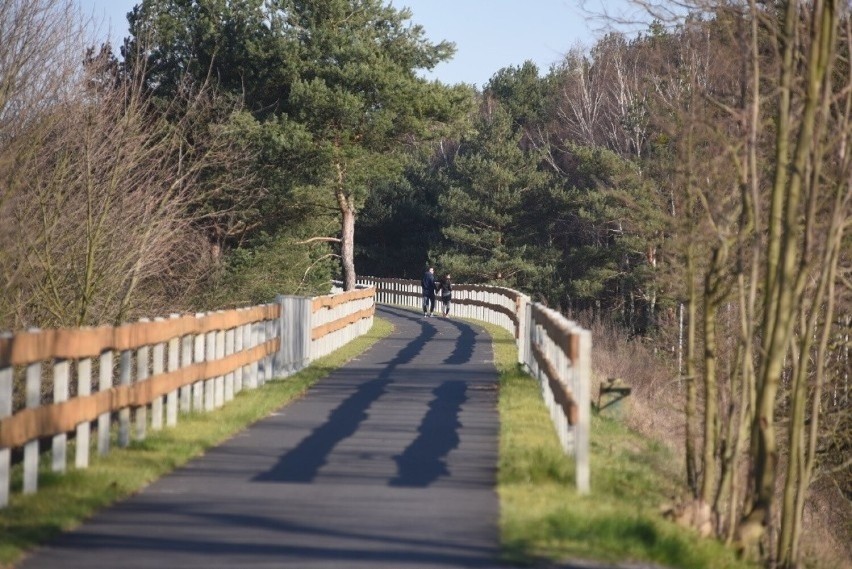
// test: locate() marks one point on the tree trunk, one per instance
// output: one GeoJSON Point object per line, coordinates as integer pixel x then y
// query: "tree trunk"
{"type": "Point", "coordinates": [746, 393]}
{"type": "Point", "coordinates": [784, 277]}
{"type": "Point", "coordinates": [691, 392]}
{"type": "Point", "coordinates": [711, 396]}
{"type": "Point", "coordinates": [347, 239]}
{"type": "Point", "coordinates": [715, 292]}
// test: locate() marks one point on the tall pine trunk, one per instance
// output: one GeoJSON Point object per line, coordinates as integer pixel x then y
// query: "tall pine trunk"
{"type": "Point", "coordinates": [347, 239]}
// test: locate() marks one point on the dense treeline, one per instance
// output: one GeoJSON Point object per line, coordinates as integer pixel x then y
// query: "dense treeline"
{"type": "Point", "coordinates": [690, 182]}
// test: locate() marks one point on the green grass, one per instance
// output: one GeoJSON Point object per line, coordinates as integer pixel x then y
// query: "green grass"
{"type": "Point", "coordinates": [64, 501]}
{"type": "Point", "coordinates": [544, 519]}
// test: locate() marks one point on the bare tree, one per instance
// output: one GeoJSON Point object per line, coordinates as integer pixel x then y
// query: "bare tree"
{"type": "Point", "coordinates": [764, 134]}
{"type": "Point", "coordinates": [103, 216]}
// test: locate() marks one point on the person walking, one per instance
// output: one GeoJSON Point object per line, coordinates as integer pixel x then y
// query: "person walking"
{"type": "Point", "coordinates": [446, 293]}
{"type": "Point", "coordinates": [428, 284]}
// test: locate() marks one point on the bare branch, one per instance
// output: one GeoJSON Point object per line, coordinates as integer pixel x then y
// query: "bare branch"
{"type": "Point", "coordinates": [318, 239]}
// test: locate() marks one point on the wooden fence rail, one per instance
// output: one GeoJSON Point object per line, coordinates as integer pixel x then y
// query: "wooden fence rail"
{"type": "Point", "coordinates": [149, 372]}
{"type": "Point", "coordinates": [555, 350]}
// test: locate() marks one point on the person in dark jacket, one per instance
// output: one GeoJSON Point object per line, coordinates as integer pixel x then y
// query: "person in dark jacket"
{"type": "Point", "coordinates": [446, 293]}
{"type": "Point", "coordinates": [428, 284]}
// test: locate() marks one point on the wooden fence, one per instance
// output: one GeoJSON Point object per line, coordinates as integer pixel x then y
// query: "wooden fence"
{"type": "Point", "coordinates": [555, 350]}
{"type": "Point", "coordinates": [149, 371]}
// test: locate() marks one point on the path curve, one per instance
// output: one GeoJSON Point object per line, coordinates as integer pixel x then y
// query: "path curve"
{"type": "Point", "coordinates": [390, 462]}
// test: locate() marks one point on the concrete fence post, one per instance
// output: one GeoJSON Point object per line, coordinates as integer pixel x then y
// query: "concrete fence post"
{"type": "Point", "coordinates": [247, 381]}
{"type": "Point", "coordinates": [294, 352]}
{"type": "Point", "coordinates": [84, 429]}
{"type": "Point", "coordinates": [219, 393]}
{"type": "Point", "coordinates": [239, 339]}
{"type": "Point", "coordinates": [6, 375]}
{"type": "Point", "coordinates": [210, 382]}
{"type": "Point", "coordinates": [230, 340]}
{"type": "Point", "coordinates": [186, 350]}
{"type": "Point", "coordinates": [583, 378]}
{"type": "Point", "coordinates": [262, 375]}
{"type": "Point", "coordinates": [33, 400]}
{"type": "Point", "coordinates": [158, 366]}
{"type": "Point", "coordinates": [564, 366]}
{"type": "Point", "coordinates": [521, 335]}
{"type": "Point", "coordinates": [143, 354]}
{"type": "Point", "coordinates": [198, 357]}
{"type": "Point", "coordinates": [59, 444]}
{"type": "Point", "coordinates": [284, 356]}
{"type": "Point", "coordinates": [271, 334]}
{"type": "Point", "coordinates": [262, 372]}
{"type": "Point", "coordinates": [255, 377]}
{"type": "Point", "coordinates": [173, 365]}
{"type": "Point", "coordinates": [104, 383]}
{"type": "Point", "coordinates": [125, 373]}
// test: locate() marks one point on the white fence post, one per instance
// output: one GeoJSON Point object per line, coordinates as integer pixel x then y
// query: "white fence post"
{"type": "Point", "coordinates": [210, 382]}
{"type": "Point", "coordinates": [220, 379]}
{"type": "Point", "coordinates": [173, 365]}
{"type": "Point", "coordinates": [84, 429]}
{"type": "Point", "coordinates": [255, 367]}
{"type": "Point", "coordinates": [104, 383]}
{"type": "Point", "coordinates": [248, 382]}
{"type": "Point", "coordinates": [229, 377]}
{"type": "Point", "coordinates": [583, 377]}
{"type": "Point", "coordinates": [523, 340]}
{"type": "Point", "coordinates": [6, 375]}
{"type": "Point", "coordinates": [124, 375]}
{"type": "Point", "coordinates": [268, 334]}
{"type": "Point", "coordinates": [157, 369]}
{"type": "Point", "coordinates": [143, 368]}
{"type": "Point", "coordinates": [198, 357]}
{"type": "Point", "coordinates": [186, 349]}
{"type": "Point", "coordinates": [60, 393]}
{"type": "Point", "coordinates": [295, 324]}
{"type": "Point", "coordinates": [261, 363]}
{"type": "Point", "coordinates": [239, 336]}
{"type": "Point", "coordinates": [33, 400]}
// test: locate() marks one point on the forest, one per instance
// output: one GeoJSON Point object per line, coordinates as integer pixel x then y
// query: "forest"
{"type": "Point", "coordinates": [689, 186]}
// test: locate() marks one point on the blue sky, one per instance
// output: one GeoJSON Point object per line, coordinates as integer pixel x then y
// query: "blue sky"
{"type": "Point", "coordinates": [489, 34]}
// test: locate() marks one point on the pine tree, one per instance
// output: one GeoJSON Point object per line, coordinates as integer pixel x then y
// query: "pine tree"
{"type": "Point", "coordinates": [486, 187]}
{"type": "Point", "coordinates": [338, 79]}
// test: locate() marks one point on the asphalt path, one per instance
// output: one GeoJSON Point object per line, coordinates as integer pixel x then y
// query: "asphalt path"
{"type": "Point", "coordinates": [390, 461]}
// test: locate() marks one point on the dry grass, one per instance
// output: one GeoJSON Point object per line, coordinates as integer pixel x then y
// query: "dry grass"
{"type": "Point", "coordinates": [655, 405]}
{"type": "Point", "coordinates": [655, 410]}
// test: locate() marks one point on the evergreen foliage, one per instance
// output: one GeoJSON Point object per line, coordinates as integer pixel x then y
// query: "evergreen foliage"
{"type": "Point", "coordinates": [702, 165]}
{"type": "Point", "coordinates": [486, 187]}
{"type": "Point", "coordinates": [399, 223]}
{"type": "Point", "coordinates": [332, 84]}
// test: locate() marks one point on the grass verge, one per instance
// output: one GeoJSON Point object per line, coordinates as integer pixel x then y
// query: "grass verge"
{"type": "Point", "coordinates": [545, 521]}
{"type": "Point", "coordinates": [64, 501]}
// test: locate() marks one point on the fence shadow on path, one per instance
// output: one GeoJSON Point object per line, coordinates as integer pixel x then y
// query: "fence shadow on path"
{"type": "Point", "coordinates": [303, 462]}
{"type": "Point", "coordinates": [424, 460]}
{"type": "Point", "coordinates": [465, 344]}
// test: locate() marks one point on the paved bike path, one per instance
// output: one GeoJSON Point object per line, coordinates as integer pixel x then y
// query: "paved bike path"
{"type": "Point", "coordinates": [389, 462]}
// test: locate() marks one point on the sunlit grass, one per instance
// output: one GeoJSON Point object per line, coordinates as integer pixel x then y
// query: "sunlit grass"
{"type": "Point", "coordinates": [544, 519]}
{"type": "Point", "coordinates": [542, 516]}
{"type": "Point", "coordinates": [63, 501]}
